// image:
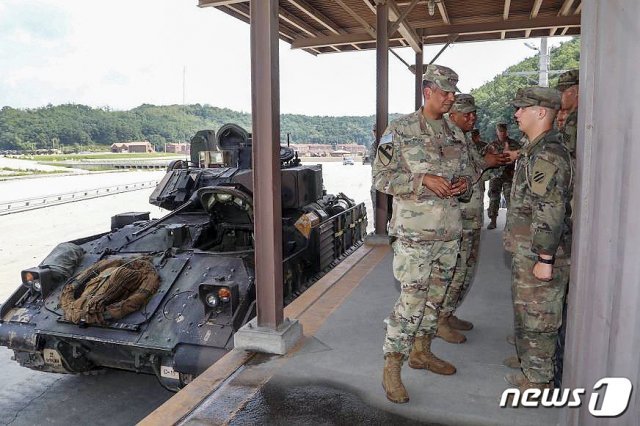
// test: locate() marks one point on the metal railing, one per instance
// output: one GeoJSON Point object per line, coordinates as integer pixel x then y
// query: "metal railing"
{"type": "Point", "coordinates": [26, 204]}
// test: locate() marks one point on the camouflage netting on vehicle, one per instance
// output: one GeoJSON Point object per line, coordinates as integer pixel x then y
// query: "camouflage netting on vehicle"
{"type": "Point", "coordinates": [109, 290]}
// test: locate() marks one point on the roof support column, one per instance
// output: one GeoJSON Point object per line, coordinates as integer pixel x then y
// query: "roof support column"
{"type": "Point", "coordinates": [382, 101]}
{"type": "Point", "coordinates": [418, 79]}
{"type": "Point", "coordinates": [265, 112]}
{"type": "Point", "coordinates": [603, 337]}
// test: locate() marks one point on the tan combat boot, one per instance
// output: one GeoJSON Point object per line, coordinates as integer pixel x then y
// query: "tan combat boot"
{"type": "Point", "coordinates": [459, 324]}
{"type": "Point", "coordinates": [512, 362]}
{"type": "Point", "coordinates": [446, 333]}
{"type": "Point", "coordinates": [521, 381]}
{"type": "Point", "coordinates": [492, 224]}
{"type": "Point", "coordinates": [391, 380]}
{"type": "Point", "coordinates": [422, 358]}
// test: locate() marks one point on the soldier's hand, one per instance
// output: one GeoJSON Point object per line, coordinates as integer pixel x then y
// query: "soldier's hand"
{"type": "Point", "coordinates": [513, 154]}
{"type": "Point", "coordinates": [459, 187]}
{"type": "Point", "coordinates": [543, 271]}
{"type": "Point", "coordinates": [438, 185]}
{"type": "Point", "coordinates": [494, 159]}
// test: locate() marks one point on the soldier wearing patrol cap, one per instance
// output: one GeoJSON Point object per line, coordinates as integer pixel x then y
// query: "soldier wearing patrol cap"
{"type": "Point", "coordinates": [538, 234]}
{"type": "Point", "coordinates": [568, 84]}
{"type": "Point", "coordinates": [423, 163]}
{"type": "Point", "coordinates": [501, 183]}
{"type": "Point", "coordinates": [463, 115]}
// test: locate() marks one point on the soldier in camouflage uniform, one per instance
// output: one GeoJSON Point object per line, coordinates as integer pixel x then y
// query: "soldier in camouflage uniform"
{"type": "Point", "coordinates": [463, 115]}
{"type": "Point", "coordinates": [481, 146]}
{"type": "Point", "coordinates": [423, 164]}
{"type": "Point", "coordinates": [568, 84]}
{"type": "Point", "coordinates": [501, 184]}
{"type": "Point", "coordinates": [372, 154]}
{"type": "Point", "coordinates": [538, 235]}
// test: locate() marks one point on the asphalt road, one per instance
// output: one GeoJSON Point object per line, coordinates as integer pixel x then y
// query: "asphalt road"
{"type": "Point", "coordinates": [109, 398]}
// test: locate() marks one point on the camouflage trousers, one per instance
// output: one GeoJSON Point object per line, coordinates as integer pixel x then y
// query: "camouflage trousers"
{"type": "Point", "coordinates": [537, 309]}
{"type": "Point", "coordinates": [497, 186]}
{"type": "Point", "coordinates": [464, 272]}
{"type": "Point", "coordinates": [424, 271]}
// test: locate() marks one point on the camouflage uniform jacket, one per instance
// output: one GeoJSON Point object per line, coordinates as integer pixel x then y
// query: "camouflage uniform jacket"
{"type": "Point", "coordinates": [471, 210]}
{"type": "Point", "coordinates": [570, 132]}
{"type": "Point", "coordinates": [537, 220]}
{"type": "Point", "coordinates": [409, 149]}
{"type": "Point", "coordinates": [498, 147]}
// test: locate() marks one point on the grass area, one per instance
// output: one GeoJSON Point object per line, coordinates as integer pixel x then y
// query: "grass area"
{"type": "Point", "coordinates": [101, 156]}
{"type": "Point", "coordinates": [8, 172]}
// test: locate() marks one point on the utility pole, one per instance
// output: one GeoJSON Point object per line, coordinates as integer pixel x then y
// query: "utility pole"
{"type": "Point", "coordinates": [543, 61]}
{"type": "Point", "coordinates": [543, 79]}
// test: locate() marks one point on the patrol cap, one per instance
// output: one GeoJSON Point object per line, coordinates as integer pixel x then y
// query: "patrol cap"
{"type": "Point", "coordinates": [568, 79]}
{"type": "Point", "coordinates": [444, 77]}
{"type": "Point", "coordinates": [464, 103]}
{"type": "Point", "coordinates": [537, 96]}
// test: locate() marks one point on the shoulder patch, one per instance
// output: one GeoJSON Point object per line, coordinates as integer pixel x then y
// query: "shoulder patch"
{"type": "Point", "coordinates": [385, 149]}
{"type": "Point", "coordinates": [541, 174]}
{"type": "Point", "coordinates": [385, 153]}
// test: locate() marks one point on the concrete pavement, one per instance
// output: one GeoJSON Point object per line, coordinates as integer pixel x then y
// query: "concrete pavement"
{"type": "Point", "coordinates": [334, 375]}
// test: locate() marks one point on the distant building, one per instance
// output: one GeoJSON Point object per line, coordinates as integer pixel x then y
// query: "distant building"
{"type": "Point", "coordinates": [138, 146]}
{"type": "Point", "coordinates": [178, 148]}
{"type": "Point", "coordinates": [119, 147]}
{"type": "Point", "coordinates": [143, 146]}
{"type": "Point", "coordinates": [339, 152]}
{"type": "Point", "coordinates": [326, 150]}
{"type": "Point", "coordinates": [353, 148]}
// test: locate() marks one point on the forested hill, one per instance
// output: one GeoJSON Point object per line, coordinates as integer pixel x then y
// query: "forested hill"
{"type": "Point", "coordinates": [493, 98]}
{"type": "Point", "coordinates": [79, 127]}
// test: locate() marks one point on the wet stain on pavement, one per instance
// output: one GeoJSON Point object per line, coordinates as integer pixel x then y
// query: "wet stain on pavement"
{"type": "Point", "coordinates": [285, 403]}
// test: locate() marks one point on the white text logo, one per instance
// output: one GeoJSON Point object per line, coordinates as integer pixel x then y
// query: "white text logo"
{"type": "Point", "coordinates": [612, 399]}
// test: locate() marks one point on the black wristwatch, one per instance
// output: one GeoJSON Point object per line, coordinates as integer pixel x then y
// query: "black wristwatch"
{"type": "Point", "coordinates": [547, 261]}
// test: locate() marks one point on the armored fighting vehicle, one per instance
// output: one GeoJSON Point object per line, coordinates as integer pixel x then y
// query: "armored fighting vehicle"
{"type": "Point", "coordinates": [165, 296]}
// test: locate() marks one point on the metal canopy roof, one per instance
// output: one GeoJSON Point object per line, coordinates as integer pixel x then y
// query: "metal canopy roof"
{"type": "Point", "coordinates": [330, 26]}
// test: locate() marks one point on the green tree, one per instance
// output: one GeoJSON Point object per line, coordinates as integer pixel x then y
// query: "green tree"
{"type": "Point", "coordinates": [493, 98]}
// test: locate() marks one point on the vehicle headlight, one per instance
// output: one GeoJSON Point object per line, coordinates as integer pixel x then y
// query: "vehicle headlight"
{"type": "Point", "coordinates": [39, 280]}
{"type": "Point", "coordinates": [212, 300]}
{"type": "Point", "coordinates": [219, 298]}
{"type": "Point", "coordinates": [31, 279]}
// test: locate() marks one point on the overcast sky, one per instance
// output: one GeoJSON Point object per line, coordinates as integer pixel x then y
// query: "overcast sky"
{"type": "Point", "coordinates": [123, 53]}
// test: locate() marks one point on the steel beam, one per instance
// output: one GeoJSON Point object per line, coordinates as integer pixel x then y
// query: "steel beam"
{"type": "Point", "coordinates": [265, 113]}
{"type": "Point", "coordinates": [382, 102]}
{"type": "Point", "coordinates": [418, 78]}
{"type": "Point", "coordinates": [534, 14]}
{"type": "Point", "coordinates": [445, 30]}
{"type": "Point", "coordinates": [216, 3]}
